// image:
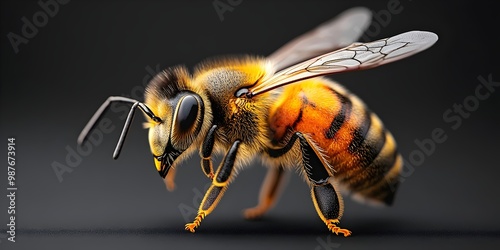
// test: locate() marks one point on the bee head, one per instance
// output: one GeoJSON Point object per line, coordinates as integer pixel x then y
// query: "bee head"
{"type": "Point", "coordinates": [181, 111]}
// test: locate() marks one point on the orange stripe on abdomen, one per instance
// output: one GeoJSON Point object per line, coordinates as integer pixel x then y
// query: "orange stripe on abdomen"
{"type": "Point", "coordinates": [306, 107]}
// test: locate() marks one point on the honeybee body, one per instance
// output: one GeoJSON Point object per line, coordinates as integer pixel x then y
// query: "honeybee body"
{"type": "Point", "coordinates": [361, 154]}
{"type": "Point", "coordinates": [252, 108]}
{"type": "Point", "coordinates": [357, 151]}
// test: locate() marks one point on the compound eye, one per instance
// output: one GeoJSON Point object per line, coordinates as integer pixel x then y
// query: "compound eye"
{"type": "Point", "coordinates": [187, 113]}
{"type": "Point", "coordinates": [187, 121]}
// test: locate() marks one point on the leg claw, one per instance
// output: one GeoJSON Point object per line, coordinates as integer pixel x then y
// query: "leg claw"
{"type": "Point", "coordinates": [190, 227]}
{"type": "Point", "coordinates": [196, 223]}
{"type": "Point", "coordinates": [335, 229]}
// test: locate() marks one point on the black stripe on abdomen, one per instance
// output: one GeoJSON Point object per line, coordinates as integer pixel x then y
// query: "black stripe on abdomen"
{"type": "Point", "coordinates": [360, 133]}
{"type": "Point", "coordinates": [367, 141]}
{"type": "Point", "coordinates": [341, 117]}
{"type": "Point", "coordinates": [374, 172]}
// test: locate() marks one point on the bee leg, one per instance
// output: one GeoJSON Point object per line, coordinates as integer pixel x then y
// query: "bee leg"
{"type": "Point", "coordinates": [218, 187]}
{"type": "Point", "coordinates": [206, 153]}
{"type": "Point", "coordinates": [329, 207]}
{"type": "Point", "coordinates": [170, 180]}
{"type": "Point", "coordinates": [327, 201]}
{"type": "Point", "coordinates": [269, 192]}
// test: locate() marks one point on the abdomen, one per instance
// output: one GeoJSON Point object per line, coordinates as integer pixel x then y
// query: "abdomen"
{"type": "Point", "coordinates": [354, 141]}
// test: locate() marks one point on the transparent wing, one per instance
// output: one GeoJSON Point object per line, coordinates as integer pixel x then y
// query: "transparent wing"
{"type": "Point", "coordinates": [337, 33]}
{"type": "Point", "coordinates": [354, 57]}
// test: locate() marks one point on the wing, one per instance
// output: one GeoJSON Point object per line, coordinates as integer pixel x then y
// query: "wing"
{"type": "Point", "coordinates": [334, 34]}
{"type": "Point", "coordinates": [354, 57]}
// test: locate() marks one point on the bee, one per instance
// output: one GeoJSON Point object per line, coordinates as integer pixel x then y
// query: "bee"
{"type": "Point", "coordinates": [289, 117]}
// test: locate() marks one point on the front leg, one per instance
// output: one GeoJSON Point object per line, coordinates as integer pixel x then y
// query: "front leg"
{"type": "Point", "coordinates": [219, 185]}
{"type": "Point", "coordinates": [206, 153]}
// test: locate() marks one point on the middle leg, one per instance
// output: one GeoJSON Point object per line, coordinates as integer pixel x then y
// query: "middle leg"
{"type": "Point", "coordinates": [270, 190]}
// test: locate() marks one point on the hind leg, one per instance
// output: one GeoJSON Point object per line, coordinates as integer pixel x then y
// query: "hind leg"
{"type": "Point", "coordinates": [329, 206]}
{"type": "Point", "coordinates": [327, 201]}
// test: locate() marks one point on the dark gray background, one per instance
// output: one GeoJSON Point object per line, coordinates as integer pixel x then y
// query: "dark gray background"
{"type": "Point", "coordinates": [91, 50]}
